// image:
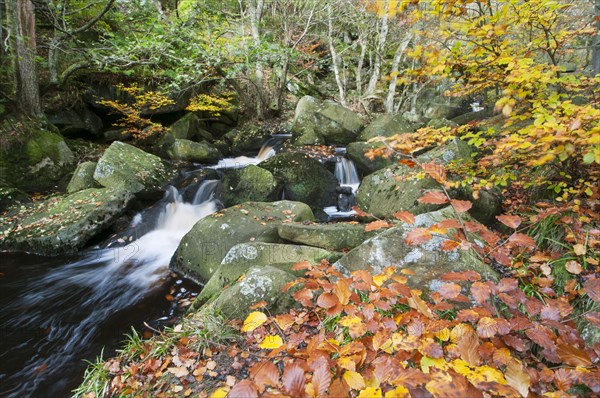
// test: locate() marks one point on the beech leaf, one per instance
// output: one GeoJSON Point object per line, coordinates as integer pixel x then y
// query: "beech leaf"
{"type": "Point", "coordinates": [510, 221]}
{"type": "Point", "coordinates": [434, 198]}
{"type": "Point", "coordinates": [254, 320]}
{"type": "Point", "coordinates": [405, 216]}
{"type": "Point", "coordinates": [418, 236]}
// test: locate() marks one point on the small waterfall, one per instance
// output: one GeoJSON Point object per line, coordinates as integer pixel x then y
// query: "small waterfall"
{"type": "Point", "coordinates": [75, 302]}
{"type": "Point", "coordinates": [269, 149]}
{"type": "Point", "coordinates": [346, 173]}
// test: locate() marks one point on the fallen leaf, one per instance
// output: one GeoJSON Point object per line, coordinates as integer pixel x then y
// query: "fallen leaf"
{"type": "Point", "coordinates": [579, 249]}
{"type": "Point", "coordinates": [179, 371]}
{"type": "Point", "coordinates": [271, 342]}
{"type": "Point", "coordinates": [354, 380]}
{"type": "Point", "coordinates": [461, 206]}
{"type": "Point", "coordinates": [405, 216]}
{"type": "Point", "coordinates": [254, 320]}
{"type": "Point", "coordinates": [517, 377]}
{"type": "Point", "coordinates": [244, 388]}
{"type": "Point", "coordinates": [418, 236]}
{"type": "Point", "coordinates": [434, 198]}
{"type": "Point", "coordinates": [573, 267]}
{"type": "Point", "coordinates": [510, 221]}
{"type": "Point", "coordinates": [375, 225]}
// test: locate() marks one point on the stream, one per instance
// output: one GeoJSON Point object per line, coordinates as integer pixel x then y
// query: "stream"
{"type": "Point", "coordinates": [59, 312]}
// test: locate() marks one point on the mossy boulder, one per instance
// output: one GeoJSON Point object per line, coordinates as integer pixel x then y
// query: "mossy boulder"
{"type": "Point", "coordinates": [38, 164]}
{"type": "Point", "coordinates": [244, 256]}
{"type": "Point", "coordinates": [336, 236]}
{"type": "Point", "coordinates": [64, 224]}
{"type": "Point", "coordinates": [12, 196]}
{"type": "Point", "coordinates": [396, 188]}
{"type": "Point", "coordinates": [190, 151]}
{"type": "Point", "coordinates": [356, 153]}
{"type": "Point", "coordinates": [247, 140]}
{"type": "Point", "coordinates": [249, 184]}
{"type": "Point", "coordinates": [260, 284]}
{"type": "Point", "coordinates": [318, 123]}
{"type": "Point", "coordinates": [83, 178]}
{"type": "Point", "coordinates": [123, 166]}
{"type": "Point", "coordinates": [385, 126]}
{"type": "Point", "coordinates": [305, 179]}
{"type": "Point", "coordinates": [427, 260]}
{"type": "Point", "coordinates": [201, 250]}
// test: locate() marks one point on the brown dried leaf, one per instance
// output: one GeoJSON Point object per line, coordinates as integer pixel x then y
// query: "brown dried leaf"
{"type": "Point", "coordinates": [517, 377]}
{"type": "Point", "coordinates": [375, 225]}
{"type": "Point", "coordinates": [245, 389]}
{"type": "Point", "coordinates": [461, 206]}
{"type": "Point", "coordinates": [510, 221]}
{"type": "Point", "coordinates": [418, 236]}
{"type": "Point", "coordinates": [405, 216]}
{"type": "Point", "coordinates": [573, 356]}
{"type": "Point", "coordinates": [293, 380]}
{"type": "Point", "coordinates": [434, 198]}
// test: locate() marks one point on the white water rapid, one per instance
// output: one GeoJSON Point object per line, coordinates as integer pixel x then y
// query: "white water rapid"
{"type": "Point", "coordinates": [70, 307]}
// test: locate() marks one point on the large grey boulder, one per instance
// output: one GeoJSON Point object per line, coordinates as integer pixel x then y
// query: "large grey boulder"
{"type": "Point", "coordinates": [39, 164]}
{"type": "Point", "coordinates": [190, 151]}
{"type": "Point", "coordinates": [249, 184]}
{"type": "Point", "coordinates": [201, 250]}
{"type": "Point", "coordinates": [247, 140]}
{"type": "Point", "coordinates": [260, 284]}
{"type": "Point", "coordinates": [83, 178]}
{"type": "Point", "coordinates": [336, 236]}
{"type": "Point", "coordinates": [64, 224]}
{"type": "Point", "coordinates": [123, 166]}
{"type": "Point", "coordinates": [189, 127]}
{"type": "Point", "coordinates": [244, 256]}
{"type": "Point", "coordinates": [356, 152]}
{"type": "Point", "coordinates": [396, 188]}
{"type": "Point", "coordinates": [427, 260]}
{"type": "Point", "coordinates": [305, 179]}
{"type": "Point", "coordinates": [385, 126]}
{"type": "Point", "coordinates": [318, 123]}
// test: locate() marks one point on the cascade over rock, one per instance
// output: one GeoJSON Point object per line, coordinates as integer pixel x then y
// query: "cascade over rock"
{"type": "Point", "coordinates": [123, 166]}
{"type": "Point", "coordinates": [65, 224]}
{"type": "Point", "coordinates": [202, 249]}
{"type": "Point", "coordinates": [305, 179]}
{"type": "Point", "coordinates": [427, 260]}
{"type": "Point", "coordinates": [244, 256]}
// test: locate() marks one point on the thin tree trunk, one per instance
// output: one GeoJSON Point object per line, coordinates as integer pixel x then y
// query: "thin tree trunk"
{"type": "Point", "coordinates": [28, 94]}
{"type": "Point", "coordinates": [335, 58]}
{"type": "Point", "coordinates": [389, 102]}
{"type": "Point", "coordinates": [376, 71]}
{"type": "Point", "coordinates": [361, 61]}
{"type": "Point", "coordinates": [255, 10]}
{"type": "Point", "coordinates": [596, 42]}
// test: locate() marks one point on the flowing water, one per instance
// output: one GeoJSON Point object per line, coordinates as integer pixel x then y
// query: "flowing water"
{"type": "Point", "coordinates": [57, 311]}
{"type": "Point", "coordinates": [269, 149]}
{"type": "Point", "coordinates": [346, 173]}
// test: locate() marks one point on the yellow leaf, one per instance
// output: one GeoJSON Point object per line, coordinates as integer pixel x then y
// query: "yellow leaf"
{"type": "Point", "coordinates": [379, 280]}
{"type": "Point", "coordinates": [220, 393]}
{"type": "Point", "coordinates": [443, 335]}
{"type": "Point", "coordinates": [370, 392]}
{"type": "Point", "coordinates": [346, 363]}
{"type": "Point", "coordinates": [399, 392]}
{"type": "Point", "coordinates": [271, 342]}
{"type": "Point", "coordinates": [349, 321]}
{"type": "Point", "coordinates": [427, 362]}
{"type": "Point", "coordinates": [254, 320]}
{"type": "Point", "coordinates": [354, 380]}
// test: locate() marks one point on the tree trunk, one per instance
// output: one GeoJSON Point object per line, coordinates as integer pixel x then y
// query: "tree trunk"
{"type": "Point", "coordinates": [596, 43]}
{"type": "Point", "coordinates": [28, 94]}
{"type": "Point", "coordinates": [361, 61]}
{"type": "Point", "coordinates": [255, 10]}
{"type": "Point", "coordinates": [389, 102]}
{"type": "Point", "coordinates": [335, 58]}
{"type": "Point", "coordinates": [379, 50]}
